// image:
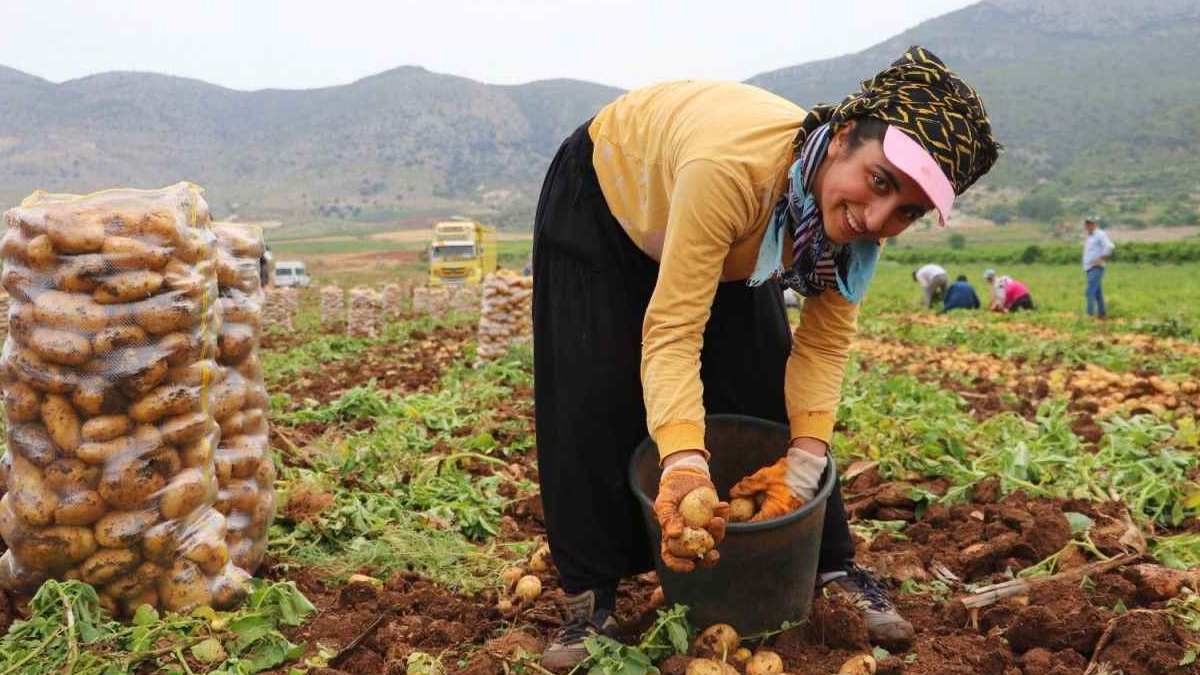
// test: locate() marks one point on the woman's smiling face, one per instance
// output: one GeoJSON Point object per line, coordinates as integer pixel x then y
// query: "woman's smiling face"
{"type": "Point", "coordinates": [861, 194]}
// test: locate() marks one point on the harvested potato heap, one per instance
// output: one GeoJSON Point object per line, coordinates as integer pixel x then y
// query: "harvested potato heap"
{"type": "Point", "coordinates": [106, 373]}
{"type": "Point", "coordinates": [392, 296]}
{"type": "Point", "coordinates": [333, 308]}
{"type": "Point", "coordinates": [505, 313]}
{"type": "Point", "coordinates": [280, 307]}
{"type": "Point", "coordinates": [245, 472]}
{"type": "Point", "coordinates": [366, 312]}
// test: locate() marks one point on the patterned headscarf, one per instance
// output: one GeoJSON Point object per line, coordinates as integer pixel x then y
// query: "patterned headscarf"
{"type": "Point", "coordinates": [921, 96]}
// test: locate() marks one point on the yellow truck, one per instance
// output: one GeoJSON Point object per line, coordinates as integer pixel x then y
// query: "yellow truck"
{"type": "Point", "coordinates": [461, 252]}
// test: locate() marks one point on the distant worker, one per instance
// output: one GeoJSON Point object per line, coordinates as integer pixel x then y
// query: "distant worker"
{"type": "Point", "coordinates": [1096, 250]}
{"type": "Point", "coordinates": [1008, 294]}
{"type": "Point", "coordinates": [266, 267]}
{"type": "Point", "coordinates": [933, 280]}
{"type": "Point", "coordinates": [960, 295]}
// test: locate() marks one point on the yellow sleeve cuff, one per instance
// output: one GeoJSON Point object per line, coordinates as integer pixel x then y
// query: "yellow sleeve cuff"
{"type": "Point", "coordinates": [678, 436]}
{"type": "Point", "coordinates": [813, 424]}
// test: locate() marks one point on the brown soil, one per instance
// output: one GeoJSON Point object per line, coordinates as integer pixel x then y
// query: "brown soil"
{"type": "Point", "coordinates": [414, 365]}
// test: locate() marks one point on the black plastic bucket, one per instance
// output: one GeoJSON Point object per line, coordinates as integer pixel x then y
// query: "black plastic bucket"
{"type": "Point", "coordinates": [767, 570]}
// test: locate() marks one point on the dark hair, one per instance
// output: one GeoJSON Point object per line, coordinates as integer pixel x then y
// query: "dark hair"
{"type": "Point", "coordinates": [914, 275]}
{"type": "Point", "coordinates": [962, 277]}
{"type": "Point", "coordinates": [865, 129]}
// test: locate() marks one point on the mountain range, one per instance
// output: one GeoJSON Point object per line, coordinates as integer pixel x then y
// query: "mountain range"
{"type": "Point", "coordinates": [1089, 97]}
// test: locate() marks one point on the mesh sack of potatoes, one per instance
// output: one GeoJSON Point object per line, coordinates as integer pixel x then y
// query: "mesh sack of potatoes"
{"type": "Point", "coordinates": [280, 307]}
{"type": "Point", "coordinates": [430, 299]}
{"type": "Point", "coordinates": [391, 297]}
{"type": "Point", "coordinates": [333, 308]}
{"type": "Point", "coordinates": [366, 312]}
{"type": "Point", "coordinates": [239, 403]}
{"type": "Point", "coordinates": [505, 317]}
{"type": "Point", "coordinates": [106, 374]}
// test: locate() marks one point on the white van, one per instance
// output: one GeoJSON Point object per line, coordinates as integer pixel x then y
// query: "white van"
{"type": "Point", "coordinates": [291, 273]}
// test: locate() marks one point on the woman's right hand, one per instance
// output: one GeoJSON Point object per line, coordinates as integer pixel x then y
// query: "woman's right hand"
{"type": "Point", "coordinates": [677, 481]}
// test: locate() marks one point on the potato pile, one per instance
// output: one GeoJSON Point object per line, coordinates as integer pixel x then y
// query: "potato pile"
{"type": "Point", "coordinates": [505, 313]}
{"type": "Point", "coordinates": [333, 308]}
{"type": "Point", "coordinates": [440, 300]}
{"type": "Point", "coordinates": [392, 296]}
{"type": "Point", "coordinates": [366, 312]}
{"type": "Point", "coordinates": [245, 471]}
{"type": "Point", "coordinates": [280, 307]}
{"type": "Point", "coordinates": [106, 373]}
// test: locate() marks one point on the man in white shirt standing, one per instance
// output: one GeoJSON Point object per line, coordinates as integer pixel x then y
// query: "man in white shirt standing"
{"type": "Point", "coordinates": [933, 280]}
{"type": "Point", "coordinates": [1096, 250]}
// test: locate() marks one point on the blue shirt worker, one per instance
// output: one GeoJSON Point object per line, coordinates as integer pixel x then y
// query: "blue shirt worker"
{"type": "Point", "coordinates": [960, 295]}
{"type": "Point", "coordinates": [1096, 250]}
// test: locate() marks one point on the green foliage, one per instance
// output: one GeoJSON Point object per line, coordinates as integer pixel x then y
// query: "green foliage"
{"type": "Point", "coordinates": [671, 634]}
{"type": "Point", "coordinates": [957, 241]}
{"type": "Point", "coordinates": [407, 493]}
{"type": "Point", "coordinates": [1000, 213]}
{"type": "Point", "coordinates": [1170, 253]}
{"type": "Point", "coordinates": [1041, 205]}
{"type": "Point", "coordinates": [68, 632]}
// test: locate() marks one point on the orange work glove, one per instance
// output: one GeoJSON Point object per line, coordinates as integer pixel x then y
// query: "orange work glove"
{"type": "Point", "coordinates": [783, 486]}
{"type": "Point", "coordinates": [674, 485]}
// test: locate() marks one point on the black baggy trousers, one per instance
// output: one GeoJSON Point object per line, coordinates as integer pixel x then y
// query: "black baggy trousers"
{"type": "Point", "coordinates": [591, 286]}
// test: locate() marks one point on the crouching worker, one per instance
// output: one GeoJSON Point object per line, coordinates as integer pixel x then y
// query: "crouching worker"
{"type": "Point", "coordinates": [960, 295]}
{"type": "Point", "coordinates": [666, 229]}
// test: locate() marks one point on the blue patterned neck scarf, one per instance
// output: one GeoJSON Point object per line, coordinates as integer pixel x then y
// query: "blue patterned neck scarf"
{"type": "Point", "coordinates": [817, 263]}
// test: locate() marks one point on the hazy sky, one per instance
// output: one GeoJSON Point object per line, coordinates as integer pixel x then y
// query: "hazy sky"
{"type": "Point", "coordinates": [253, 44]}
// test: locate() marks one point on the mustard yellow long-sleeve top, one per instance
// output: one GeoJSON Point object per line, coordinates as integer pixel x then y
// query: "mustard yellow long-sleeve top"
{"type": "Point", "coordinates": [692, 171]}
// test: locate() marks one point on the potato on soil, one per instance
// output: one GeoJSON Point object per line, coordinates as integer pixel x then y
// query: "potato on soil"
{"type": "Point", "coordinates": [657, 598]}
{"type": "Point", "coordinates": [510, 576]}
{"type": "Point", "coordinates": [764, 662]}
{"type": "Point", "coordinates": [60, 346]}
{"type": "Point", "coordinates": [741, 509]}
{"type": "Point", "coordinates": [697, 506]}
{"type": "Point", "coordinates": [693, 543]}
{"type": "Point", "coordinates": [710, 667]}
{"type": "Point", "coordinates": [62, 422]}
{"type": "Point", "coordinates": [540, 560]}
{"type": "Point", "coordinates": [742, 655]}
{"type": "Point", "coordinates": [528, 588]}
{"type": "Point", "coordinates": [863, 664]}
{"type": "Point", "coordinates": [717, 640]}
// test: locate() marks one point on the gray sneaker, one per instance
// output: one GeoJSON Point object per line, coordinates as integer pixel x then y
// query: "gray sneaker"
{"type": "Point", "coordinates": [885, 626]}
{"type": "Point", "coordinates": [581, 620]}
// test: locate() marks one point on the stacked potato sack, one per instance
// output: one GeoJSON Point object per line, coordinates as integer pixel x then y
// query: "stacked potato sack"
{"type": "Point", "coordinates": [245, 472]}
{"type": "Point", "coordinates": [333, 308]}
{"type": "Point", "coordinates": [106, 372]}
{"type": "Point", "coordinates": [391, 297]}
{"type": "Point", "coordinates": [280, 307]}
{"type": "Point", "coordinates": [366, 312]}
{"type": "Point", "coordinates": [440, 300]}
{"type": "Point", "coordinates": [505, 315]}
